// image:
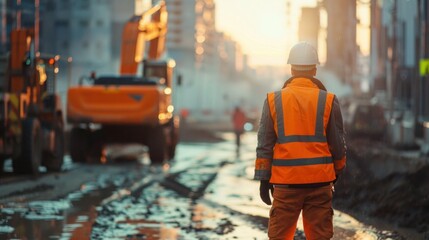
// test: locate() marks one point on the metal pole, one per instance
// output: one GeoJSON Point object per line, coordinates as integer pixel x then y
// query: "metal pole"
{"type": "Point", "coordinates": [69, 71]}
{"type": "Point", "coordinates": [36, 25]}
{"type": "Point", "coordinates": [18, 14]}
{"type": "Point", "coordinates": [3, 26]}
{"type": "Point", "coordinates": [393, 59]}
{"type": "Point", "coordinates": [425, 55]}
{"type": "Point", "coordinates": [373, 47]}
{"type": "Point", "coordinates": [415, 82]}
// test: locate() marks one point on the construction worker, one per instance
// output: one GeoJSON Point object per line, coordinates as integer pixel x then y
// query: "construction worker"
{"type": "Point", "coordinates": [238, 120]}
{"type": "Point", "coordinates": [301, 150]}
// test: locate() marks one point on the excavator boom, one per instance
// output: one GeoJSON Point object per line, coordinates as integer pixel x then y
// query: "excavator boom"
{"type": "Point", "coordinates": [150, 27]}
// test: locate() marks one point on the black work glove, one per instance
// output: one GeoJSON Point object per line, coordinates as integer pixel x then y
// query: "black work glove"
{"type": "Point", "coordinates": [264, 191]}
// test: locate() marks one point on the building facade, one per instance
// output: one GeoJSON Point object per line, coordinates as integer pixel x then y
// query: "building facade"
{"type": "Point", "coordinates": [341, 48]}
{"type": "Point", "coordinates": [309, 25]}
{"type": "Point", "coordinates": [15, 15]}
{"type": "Point", "coordinates": [422, 50]}
{"type": "Point", "coordinates": [210, 63]}
{"type": "Point", "coordinates": [81, 30]}
{"type": "Point", "coordinates": [399, 37]}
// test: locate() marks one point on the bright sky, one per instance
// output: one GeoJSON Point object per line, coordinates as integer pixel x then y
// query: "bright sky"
{"type": "Point", "coordinates": [260, 26]}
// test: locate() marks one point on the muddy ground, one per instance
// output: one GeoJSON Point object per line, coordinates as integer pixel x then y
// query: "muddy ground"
{"type": "Point", "coordinates": [383, 183]}
{"type": "Point", "coordinates": [206, 192]}
{"type": "Point", "coordinates": [383, 186]}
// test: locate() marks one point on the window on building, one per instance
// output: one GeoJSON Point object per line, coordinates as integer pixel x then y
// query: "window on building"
{"type": "Point", "coordinates": [50, 6]}
{"type": "Point", "coordinates": [99, 49]}
{"type": "Point", "coordinates": [62, 23]}
{"type": "Point", "coordinates": [209, 4]}
{"type": "Point", "coordinates": [177, 2]}
{"type": "Point", "coordinates": [100, 23]}
{"type": "Point", "coordinates": [85, 44]}
{"type": "Point", "coordinates": [199, 6]}
{"type": "Point", "coordinates": [84, 23]}
{"type": "Point", "coordinates": [66, 4]}
{"type": "Point", "coordinates": [65, 45]}
{"type": "Point", "coordinates": [176, 30]}
{"type": "Point", "coordinates": [176, 40]}
{"type": "Point", "coordinates": [84, 4]}
{"type": "Point", "coordinates": [208, 16]}
{"type": "Point", "coordinates": [176, 12]}
{"type": "Point", "coordinates": [176, 21]}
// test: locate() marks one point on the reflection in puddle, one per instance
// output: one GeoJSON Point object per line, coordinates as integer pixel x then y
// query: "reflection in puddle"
{"type": "Point", "coordinates": [6, 229]}
{"type": "Point", "coordinates": [160, 213]}
{"type": "Point", "coordinates": [68, 218]}
{"type": "Point", "coordinates": [151, 216]}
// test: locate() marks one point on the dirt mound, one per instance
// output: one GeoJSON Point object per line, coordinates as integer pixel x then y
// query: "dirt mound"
{"type": "Point", "coordinates": [372, 186]}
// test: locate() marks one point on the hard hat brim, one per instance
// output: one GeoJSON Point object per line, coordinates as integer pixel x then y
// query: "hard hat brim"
{"type": "Point", "coordinates": [303, 67]}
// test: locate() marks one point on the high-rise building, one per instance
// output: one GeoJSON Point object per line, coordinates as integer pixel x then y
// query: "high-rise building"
{"type": "Point", "coordinates": [13, 15]}
{"type": "Point", "coordinates": [399, 36]}
{"type": "Point", "coordinates": [309, 25]}
{"type": "Point", "coordinates": [79, 29]}
{"type": "Point", "coordinates": [191, 31]}
{"type": "Point", "coordinates": [394, 55]}
{"type": "Point", "coordinates": [422, 88]}
{"type": "Point", "coordinates": [341, 38]}
{"type": "Point", "coordinates": [398, 21]}
{"type": "Point", "coordinates": [377, 54]}
{"type": "Point", "coordinates": [88, 31]}
{"type": "Point", "coordinates": [192, 42]}
{"type": "Point", "coordinates": [206, 59]}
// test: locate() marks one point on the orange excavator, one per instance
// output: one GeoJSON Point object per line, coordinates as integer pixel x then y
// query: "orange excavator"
{"type": "Point", "coordinates": [31, 122]}
{"type": "Point", "coordinates": [128, 108]}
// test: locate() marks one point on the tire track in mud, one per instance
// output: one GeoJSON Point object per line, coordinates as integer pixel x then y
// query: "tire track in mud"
{"type": "Point", "coordinates": [143, 202]}
{"type": "Point", "coordinates": [173, 203]}
{"type": "Point", "coordinates": [68, 215]}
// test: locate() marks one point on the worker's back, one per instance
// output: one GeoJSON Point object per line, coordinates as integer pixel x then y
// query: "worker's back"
{"type": "Point", "coordinates": [300, 113]}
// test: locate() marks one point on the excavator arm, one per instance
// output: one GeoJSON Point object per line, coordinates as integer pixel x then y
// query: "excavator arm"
{"type": "Point", "coordinates": [150, 27]}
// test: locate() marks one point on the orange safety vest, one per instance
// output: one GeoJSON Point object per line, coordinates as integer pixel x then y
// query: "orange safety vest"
{"type": "Point", "coordinates": [300, 113]}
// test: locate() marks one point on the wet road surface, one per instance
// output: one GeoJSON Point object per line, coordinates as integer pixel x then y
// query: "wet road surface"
{"type": "Point", "coordinates": [207, 192]}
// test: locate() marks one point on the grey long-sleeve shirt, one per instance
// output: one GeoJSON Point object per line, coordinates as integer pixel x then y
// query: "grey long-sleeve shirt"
{"type": "Point", "coordinates": [267, 137]}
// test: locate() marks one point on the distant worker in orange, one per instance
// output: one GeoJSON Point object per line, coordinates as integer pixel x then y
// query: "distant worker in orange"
{"type": "Point", "coordinates": [238, 119]}
{"type": "Point", "coordinates": [184, 114]}
{"type": "Point", "coordinates": [301, 151]}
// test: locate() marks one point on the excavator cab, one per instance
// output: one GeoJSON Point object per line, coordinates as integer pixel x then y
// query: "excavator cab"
{"type": "Point", "coordinates": [46, 81]}
{"type": "Point", "coordinates": [161, 70]}
{"type": "Point", "coordinates": [47, 68]}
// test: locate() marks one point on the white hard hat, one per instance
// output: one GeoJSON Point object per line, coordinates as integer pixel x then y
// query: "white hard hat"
{"type": "Point", "coordinates": [303, 53]}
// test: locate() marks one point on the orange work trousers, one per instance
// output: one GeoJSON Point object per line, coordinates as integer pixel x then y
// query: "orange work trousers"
{"type": "Point", "coordinates": [317, 213]}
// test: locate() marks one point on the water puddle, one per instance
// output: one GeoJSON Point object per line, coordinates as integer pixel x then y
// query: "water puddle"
{"type": "Point", "coordinates": [71, 217]}
{"type": "Point", "coordinates": [160, 213]}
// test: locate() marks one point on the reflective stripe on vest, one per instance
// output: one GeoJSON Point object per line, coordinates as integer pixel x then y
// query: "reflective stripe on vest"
{"type": "Point", "coordinates": [302, 161]}
{"type": "Point", "coordinates": [301, 154]}
{"type": "Point", "coordinates": [317, 137]}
